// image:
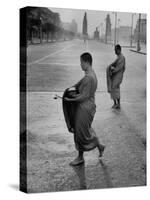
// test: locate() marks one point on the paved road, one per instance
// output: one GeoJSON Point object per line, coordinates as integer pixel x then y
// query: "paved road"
{"type": "Point", "coordinates": [51, 69]}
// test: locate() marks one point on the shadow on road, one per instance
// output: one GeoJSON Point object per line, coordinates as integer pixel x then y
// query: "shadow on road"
{"type": "Point", "coordinates": [80, 171]}
{"type": "Point", "coordinates": [106, 175]}
{"type": "Point", "coordinates": [14, 187]}
{"type": "Point", "coordinates": [117, 111]}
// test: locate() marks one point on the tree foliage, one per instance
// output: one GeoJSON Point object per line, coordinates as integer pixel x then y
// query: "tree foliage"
{"type": "Point", "coordinates": [43, 21]}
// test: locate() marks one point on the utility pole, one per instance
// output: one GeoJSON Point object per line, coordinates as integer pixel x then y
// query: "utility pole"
{"type": "Point", "coordinates": [101, 30]}
{"type": "Point", "coordinates": [131, 30]}
{"type": "Point", "coordinates": [118, 29]}
{"type": "Point", "coordinates": [106, 32]}
{"type": "Point", "coordinates": [115, 27]}
{"type": "Point", "coordinates": [138, 42]}
{"type": "Point", "coordinates": [115, 36]}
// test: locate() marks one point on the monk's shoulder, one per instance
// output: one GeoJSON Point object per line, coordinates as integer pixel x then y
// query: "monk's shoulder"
{"type": "Point", "coordinates": [87, 79]}
{"type": "Point", "coordinates": [122, 57]}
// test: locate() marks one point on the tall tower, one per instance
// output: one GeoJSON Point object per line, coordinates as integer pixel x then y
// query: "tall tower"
{"type": "Point", "coordinates": [84, 28]}
{"type": "Point", "coordinates": [108, 29]}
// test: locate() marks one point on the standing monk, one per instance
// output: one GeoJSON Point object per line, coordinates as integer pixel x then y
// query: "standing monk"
{"type": "Point", "coordinates": [115, 75]}
{"type": "Point", "coordinates": [84, 110]}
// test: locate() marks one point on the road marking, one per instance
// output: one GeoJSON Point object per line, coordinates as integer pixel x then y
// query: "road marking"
{"type": "Point", "coordinates": [56, 52]}
{"type": "Point", "coordinates": [32, 47]}
{"type": "Point", "coordinates": [64, 64]}
{"type": "Point", "coordinates": [130, 102]}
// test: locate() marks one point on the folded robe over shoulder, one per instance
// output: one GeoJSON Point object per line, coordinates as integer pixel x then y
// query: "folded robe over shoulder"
{"type": "Point", "coordinates": [69, 109]}
{"type": "Point", "coordinates": [115, 78]}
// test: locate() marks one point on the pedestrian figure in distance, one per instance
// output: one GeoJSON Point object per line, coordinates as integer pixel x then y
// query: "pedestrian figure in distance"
{"type": "Point", "coordinates": [114, 75]}
{"type": "Point", "coordinates": [84, 38]}
{"type": "Point", "coordinates": [84, 103]}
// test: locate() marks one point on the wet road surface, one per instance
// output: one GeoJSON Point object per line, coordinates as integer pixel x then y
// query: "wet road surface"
{"type": "Point", "coordinates": [51, 69]}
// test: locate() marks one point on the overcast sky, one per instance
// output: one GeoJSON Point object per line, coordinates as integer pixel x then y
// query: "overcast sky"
{"type": "Point", "coordinates": [95, 18]}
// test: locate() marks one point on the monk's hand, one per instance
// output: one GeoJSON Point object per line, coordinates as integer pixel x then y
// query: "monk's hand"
{"type": "Point", "coordinates": [67, 99]}
{"type": "Point", "coordinates": [112, 69]}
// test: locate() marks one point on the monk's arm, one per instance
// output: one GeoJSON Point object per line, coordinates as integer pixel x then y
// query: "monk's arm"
{"type": "Point", "coordinates": [85, 93]}
{"type": "Point", "coordinates": [120, 65]}
{"type": "Point", "coordinates": [114, 63]}
{"type": "Point", "coordinates": [77, 84]}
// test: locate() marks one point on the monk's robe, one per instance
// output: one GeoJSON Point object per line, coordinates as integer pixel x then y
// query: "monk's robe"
{"type": "Point", "coordinates": [79, 113]}
{"type": "Point", "coordinates": [114, 78]}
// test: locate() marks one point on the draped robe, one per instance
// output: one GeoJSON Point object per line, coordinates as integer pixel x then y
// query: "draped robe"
{"type": "Point", "coordinates": [79, 114]}
{"type": "Point", "coordinates": [115, 77]}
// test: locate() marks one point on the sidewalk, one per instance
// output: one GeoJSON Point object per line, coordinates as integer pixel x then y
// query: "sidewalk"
{"type": "Point", "coordinates": [142, 51]}
{"type": "Point", "coordinates": [133, 47]}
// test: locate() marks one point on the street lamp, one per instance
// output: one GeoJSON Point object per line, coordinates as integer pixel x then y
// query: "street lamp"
{"type": "Point", "coordinates": [40, 30]}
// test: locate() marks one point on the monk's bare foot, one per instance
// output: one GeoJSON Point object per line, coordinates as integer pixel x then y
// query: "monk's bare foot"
{"type": "Point", "coordinates": [101, 151]}
{"type": "Point", "coordinates": [77, 161]}
{"type": "Point", "coordinates": [117, 106]}
{"type": "Point", "coordinates": [113, 106]}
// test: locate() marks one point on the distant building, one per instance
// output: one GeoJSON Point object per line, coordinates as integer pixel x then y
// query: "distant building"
{"type": "Point", "coordinates": [143, 23]}
{"type": "Point", "coordinates": [123, 33]}
{"type": "Point", "coordinates": [56, 19]}
{"type": "Point", "coordinates": [73, 27]}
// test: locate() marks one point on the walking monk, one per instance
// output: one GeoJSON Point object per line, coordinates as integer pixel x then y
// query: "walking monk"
{"type": "Point", "coordinates": [114, 74]}
{"type": "Point", "coordinates": [79, 110]}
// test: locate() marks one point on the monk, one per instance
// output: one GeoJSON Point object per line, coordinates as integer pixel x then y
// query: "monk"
{"type": "Point", "coordinates": [83, 102]}
{"type": "Point", "coordinates": [114, 74]}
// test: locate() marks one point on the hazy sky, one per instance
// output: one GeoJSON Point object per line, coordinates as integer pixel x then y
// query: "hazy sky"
{"type": "Point", "coordinates": [94, 18]}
